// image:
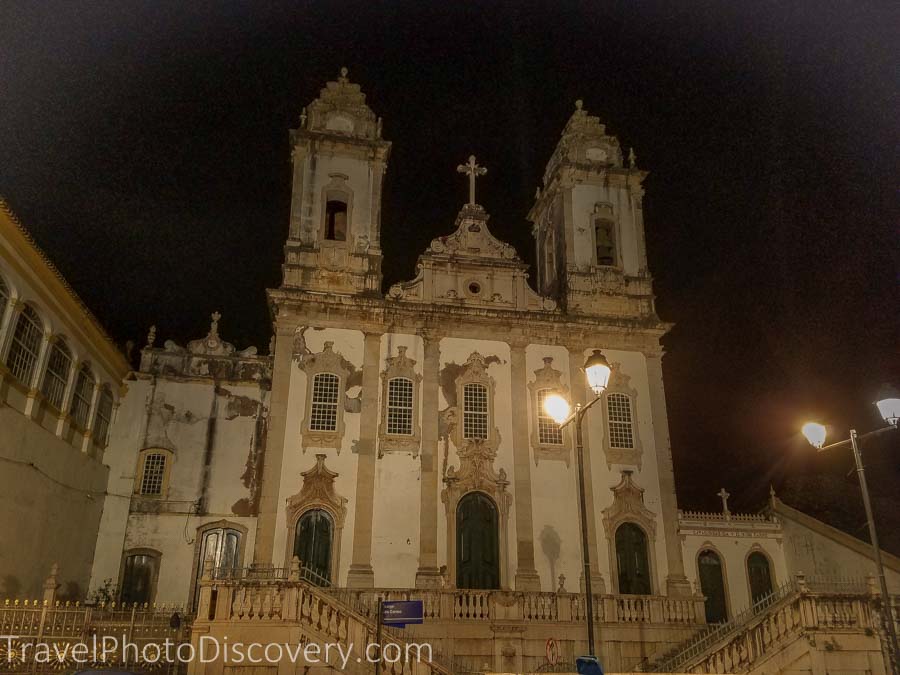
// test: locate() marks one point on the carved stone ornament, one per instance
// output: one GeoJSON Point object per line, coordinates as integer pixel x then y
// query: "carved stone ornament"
{"type": "Point", "coordinates": [317, 492]}
{"type": "Point", "coordinates": [628, 506]}
{"type": "Point", "coordinates": [620, 383]}
{"type": "Point", "coordinates": [403, 367]}
{"type": "Point", "coordinates": [545, 378]}
{"type": "Point", "coordinates": [326, 361]}
{"type": "Point", "coordinates": [212, 344]}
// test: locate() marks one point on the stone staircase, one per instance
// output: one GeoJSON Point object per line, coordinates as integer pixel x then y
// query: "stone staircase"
{"type": "Point", "coordinates": [814, 625]}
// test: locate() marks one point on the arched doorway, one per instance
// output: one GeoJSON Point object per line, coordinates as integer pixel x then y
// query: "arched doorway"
{"type": "Point", "coordinates": [712, 585]}
{"type": "Point", "coordinates": [632, 559]}
{"type": "Point", "coordinates": [477, 543]}
{"type": "Point", "coordinates": [760, 575]}
{"type": "Point", "coordinates": [313, 538]}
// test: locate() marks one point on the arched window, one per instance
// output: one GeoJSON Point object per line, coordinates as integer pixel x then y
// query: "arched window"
{"type": "Point", "coordinates": [621, 431]}
{"type": "Point", "coordinates": [604, 240]}
{"type": "Point", "coordinates": [400, 406]}
{"type": "Point", "coordinates": [56, 378]}
{"type": "Point", "coordinates": [477, 543]}
{"type": "Point", "coordinates": [153, 473]}
{"type": "Point", "coordinates": [26, 345]}
{"type": "Point", "coordinates": [336, 219]}
{"type": "Point", "coordinates": [632, 560]}
{"type": "Point", "coordinates": [549, 432]}
{"type": "Point", "coordinates": [323, 412]}
{"type": "Point", "coordinates": [103, 417]}
{"type": "Point", "coordinates": [81, 398]}
{"type": "Point", "coordinates": [760, 575]}
{"type": "Point", "coordinates": [712, 585]}
{"type": "Point", "coordinates": [313, 539]}
{"type": "Point", "coordinates": [141, 570]}
{"type": "Point", "coordinates": [475, 411]}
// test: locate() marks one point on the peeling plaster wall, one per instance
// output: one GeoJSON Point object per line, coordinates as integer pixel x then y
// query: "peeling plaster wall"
{"type": "Point", "coordinates": [349, 344]}
{"type": "Point", "coordinates": [212, 430]}
{"type": "Point", "coordinates": [455, 352]}
{"type": "Point", "coordinates": [733, 550]}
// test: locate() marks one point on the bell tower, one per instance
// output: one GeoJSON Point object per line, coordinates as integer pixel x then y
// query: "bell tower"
{"type": "Point", "coordinates": [339, 159]}
{"type": "Point", "coordinates": [588, 225]}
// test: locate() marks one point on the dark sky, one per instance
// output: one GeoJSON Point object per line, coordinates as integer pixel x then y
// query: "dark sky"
{"type": "Point", "coordinates": [145, 144]}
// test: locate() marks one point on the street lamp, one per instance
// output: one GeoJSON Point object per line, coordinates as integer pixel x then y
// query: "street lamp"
{"type": "Point", "coordinates": [597, 371]}
{"type": "Point", "coordinates": [889, 407]}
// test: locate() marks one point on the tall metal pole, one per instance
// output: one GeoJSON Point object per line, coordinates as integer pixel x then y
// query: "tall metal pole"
{"type": "Point", "coordinates": [585, 553]}
{"type": "Point", "coordinates": [887, 612]}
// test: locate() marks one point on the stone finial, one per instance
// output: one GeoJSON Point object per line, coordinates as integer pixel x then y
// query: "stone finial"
{"type": "Point", "coordinates": [344, 73]}
{"type": "Point", "coordinates": [303, 117]}
{"type": "Point", "coordinates": [724, 495]}
{"type": "Point", "coordinates": [562, 584]}
{"type": "Point", "coordinates": [51, 584]}
{"type": "Point", "coordinates": [151, 336]}
{"type": "Point", "coordinates": [214, 326]}
{"type": "Point", "coordinates": [295, 569]}
{"type": "Point", "coordinates": [579, 104]}
{"type": "Point", "coordinates": [632, 158]}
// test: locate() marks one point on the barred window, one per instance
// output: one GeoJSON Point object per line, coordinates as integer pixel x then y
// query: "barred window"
{"type": "Point", "coordinates": [81, 399]}
{"type": "Point", "coordinates": [475, 411]}
{"type": "Point", "coordinates": [26, 344]}
{"type": "Point", "coordinates": [57, 376]}
{"type": "Point", "coordinates": [549, 432]}
{"type": "Point", "coordinates": [103, 416]}
{"type": "Point", "coordinates": [324, 409]}
{"type": "Point", "coordinates": [621, 434]}
{"type": "Point", "coordinates": [400, 406]}
{"type": "Point", "coordinates": [153, 474]}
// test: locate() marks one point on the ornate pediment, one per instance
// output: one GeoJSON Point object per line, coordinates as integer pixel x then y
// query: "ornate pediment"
{"type": "Point", "coordinates": [341, 110]}
{"type": "Point", "coordinates": [628, 505]}
{"type": "Point", "coordinates": [318, 492]}
{"type": "Point", "coordinates": [472, 267]}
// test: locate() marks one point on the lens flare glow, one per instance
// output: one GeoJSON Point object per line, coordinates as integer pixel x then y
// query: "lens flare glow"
{"type": "Point", "coordinates": [815, 434]}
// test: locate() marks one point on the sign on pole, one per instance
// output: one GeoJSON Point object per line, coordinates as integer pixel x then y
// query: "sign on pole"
{"type": "Point", "coordinates": [398, 613]}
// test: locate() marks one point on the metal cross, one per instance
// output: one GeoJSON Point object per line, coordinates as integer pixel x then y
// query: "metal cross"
{"type": "Point", "coordinates": [473, 170]}
{"type": "Point", "coordinates": [724, 495]}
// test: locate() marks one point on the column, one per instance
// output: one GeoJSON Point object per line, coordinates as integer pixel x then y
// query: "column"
{"type": "Point", "coordinates": [271, 472]}
{"type": "Point", "coordinates": [32, 406]}
{"type": "Point", "coordinates": [361, 574]}
{"type": "Point", "coordinates": [428, 575]}
{"type": "Point", "coordinates": [578, 383]}
{"type": "Point", "coordinates": [527, 578]}
{"type": "Point", "coordinates": [676, 582]}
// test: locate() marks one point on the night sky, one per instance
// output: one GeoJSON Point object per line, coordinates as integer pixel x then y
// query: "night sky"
{"type": "Point", "coordinates": [145, 145]}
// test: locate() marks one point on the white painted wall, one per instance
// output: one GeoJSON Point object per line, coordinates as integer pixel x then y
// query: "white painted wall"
{"type": "Point", "coordinates": [584, 197]}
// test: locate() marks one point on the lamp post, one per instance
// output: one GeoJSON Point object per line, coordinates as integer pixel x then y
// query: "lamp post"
{"type": "Point", "coordinates": [889, 407]}
{"type": "Point", "coordinates": [597, 371]}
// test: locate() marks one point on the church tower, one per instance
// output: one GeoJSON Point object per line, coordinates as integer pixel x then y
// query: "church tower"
{"type": "Point", "coordinates": [339, 160]}
{"type": "Point", "coordinates": [588, 225]}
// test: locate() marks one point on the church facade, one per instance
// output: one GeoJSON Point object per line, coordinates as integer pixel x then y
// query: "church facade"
{"type": "Point", "coordinates": [399, 441]}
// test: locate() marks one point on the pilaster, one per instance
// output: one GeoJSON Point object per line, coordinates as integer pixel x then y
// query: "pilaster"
{"type": "Point", "coordinates": [361, 574]}
{"type": "Point", "coordinates": [271, 474]}
{"type": "Point", "coordinates": [428, 575]}
{"type": "Point", "coordinates": [676, 581]}
{"type": "Point", "coordinates": [527, 578]}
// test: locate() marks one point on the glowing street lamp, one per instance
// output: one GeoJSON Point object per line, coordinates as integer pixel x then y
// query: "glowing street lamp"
{"type": "Point", "coordinates": [889, 407]}
{"type": "Point", "coordinates": [597, 371]}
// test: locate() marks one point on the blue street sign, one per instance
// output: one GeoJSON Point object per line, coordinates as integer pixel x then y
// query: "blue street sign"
{"type": "Point", "coordinates": [401, 612]}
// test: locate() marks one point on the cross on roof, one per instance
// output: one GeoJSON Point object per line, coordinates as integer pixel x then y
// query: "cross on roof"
{"type": "Point", "coordinates": [473, 170]}
{"type": "Point", "coordinates": [724, 496]}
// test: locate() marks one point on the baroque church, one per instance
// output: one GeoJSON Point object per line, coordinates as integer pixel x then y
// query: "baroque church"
{"type": "Point", "coordinates": [397, 445]}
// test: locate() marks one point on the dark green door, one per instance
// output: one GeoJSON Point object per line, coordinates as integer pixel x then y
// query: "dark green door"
{"type": "Point", "coordinates": [760, 576]}
{"type": "Point", "coordinates": [712, 585]}
{"type": "Point", "coordinates": [312, 544]}
{"type": "Point", "coordinates": [477, 543]}
{"type": "Point", "coordinates": [631, 555]}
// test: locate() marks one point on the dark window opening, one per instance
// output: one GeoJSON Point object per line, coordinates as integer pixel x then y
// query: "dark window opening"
{"type": "Point", "coordinates": [712, 585]}
{"type": "Point", "coordinates": [336, 220]}
{"type": "Point", "coordinates": [606, 247]}
{"type": "Point", "coordinates": [140, 576]}
{"type": "Point", "coordinates": [631, 555]}
{"type": "Point", "coordinates": [312, 545]}
{"type": "Point", "coordinates": [760, 576]}
{"type": "Point", "coordinates": [477, 543]}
